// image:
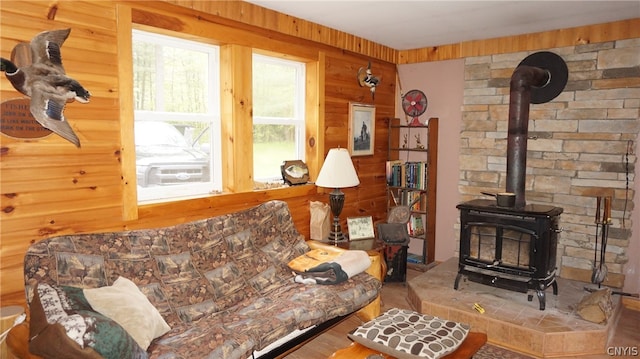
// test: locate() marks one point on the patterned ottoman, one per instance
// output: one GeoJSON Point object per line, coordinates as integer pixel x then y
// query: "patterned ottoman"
{"type": "Point", "coordinates": [402, 333]}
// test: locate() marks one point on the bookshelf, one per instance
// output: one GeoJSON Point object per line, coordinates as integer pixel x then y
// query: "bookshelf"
{"type": "Point", "coordinates": [411, 174]}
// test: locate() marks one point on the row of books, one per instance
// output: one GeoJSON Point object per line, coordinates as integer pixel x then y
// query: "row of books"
{"type": "Point", "coordinates": [407, 174]}
{"type": "Point", "coordinates": [415, 227]}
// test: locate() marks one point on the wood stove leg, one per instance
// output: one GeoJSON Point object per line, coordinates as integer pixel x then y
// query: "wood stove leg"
{"type": "Point", "coordinates": [455, 284]}
{"type": "Point", "coordinates": [554, 285]}
{"type": "Point", "coordinates": [542, 299]}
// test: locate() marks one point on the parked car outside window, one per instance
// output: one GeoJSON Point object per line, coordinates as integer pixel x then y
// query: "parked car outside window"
{"type": "Point", "coordinates": [165, 158]}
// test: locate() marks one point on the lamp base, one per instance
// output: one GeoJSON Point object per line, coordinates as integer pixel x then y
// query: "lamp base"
{"type": "Point", "coordinates": [336, 202]}
{"type": "Point", "coordinates": [336, 235]}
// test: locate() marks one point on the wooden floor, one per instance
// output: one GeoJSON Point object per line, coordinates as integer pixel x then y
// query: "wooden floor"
{"type": "Point", "coordinates": [394, 295]}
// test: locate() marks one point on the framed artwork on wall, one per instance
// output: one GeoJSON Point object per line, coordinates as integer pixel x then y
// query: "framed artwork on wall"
{"type": "Point", "coordinates": [360, 228]}
{"type": "Point", "coordinates": [362, 124]}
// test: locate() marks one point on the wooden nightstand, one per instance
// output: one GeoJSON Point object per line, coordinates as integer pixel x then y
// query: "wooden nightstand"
{"type": "Point", "coordinates": [377, 269]}
{"type": "Point", "coordinates": [8, 316]}
{"type": "Point", "coordinates": [18, 343]}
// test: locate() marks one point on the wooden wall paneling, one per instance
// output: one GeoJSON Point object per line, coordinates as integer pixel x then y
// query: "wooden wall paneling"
{"type": "Point", "coordinates": [49, 186]}
{"type": "Point", "coordinates": [288, 25]}
{"type": "Point", "coordinates": [181, 20]}
{"type": "Point", "coordinates": [46, 167]}
{"type": "Point", "coordinates": [162, 214]}
{"type": "Point", "coordinates": [596, 33]}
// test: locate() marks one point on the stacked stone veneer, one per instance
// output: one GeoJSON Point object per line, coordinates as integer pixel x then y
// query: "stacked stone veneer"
{"type": "Point", "coordinates": [581, 142]}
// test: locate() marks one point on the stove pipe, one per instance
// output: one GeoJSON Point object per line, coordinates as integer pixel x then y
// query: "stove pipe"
{"type": "Point", "coordinates": [523, 79]}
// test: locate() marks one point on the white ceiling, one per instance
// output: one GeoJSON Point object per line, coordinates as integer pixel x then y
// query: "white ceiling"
{"type": "Point", "coordinates": [403, 25]}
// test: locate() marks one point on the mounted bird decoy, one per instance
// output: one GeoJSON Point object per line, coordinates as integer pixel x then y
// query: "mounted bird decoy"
{"type": "Point", "coordinates": [44, 80]}
{"type": "Point", "coordinates": [366, 78]}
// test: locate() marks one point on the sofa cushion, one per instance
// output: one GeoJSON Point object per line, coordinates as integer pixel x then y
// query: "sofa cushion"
{"type": "Point", "coordinates": [63, 325]}
{"type": "Point", "coordinates": [124, 303]}
{"type": "Point", "coordinates": [405, 334]}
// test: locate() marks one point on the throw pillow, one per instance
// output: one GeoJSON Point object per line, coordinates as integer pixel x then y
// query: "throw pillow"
{"type": "Point", "coordinates": [405, 334]}
{"type": "Point", "coordinates": [63, 325]}
{"type": "Point", "coordinates": [128, 306]}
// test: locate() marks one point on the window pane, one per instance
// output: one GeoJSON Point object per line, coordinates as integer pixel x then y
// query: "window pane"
{"type": "Point", "coordinates": [177, 121]}
{"type": "Point", "coordinates": [274, 90]}
{"type": "Point", "coordinates": [169, 154]}
{"type": "Point", "coordinates": [185, 80]}
{"type": "Point", "coordinates": [144, 75]}
{"type": "Point", "coordinates": [278, 115]}
{"type": "Point", "coordinates": [272, 144]}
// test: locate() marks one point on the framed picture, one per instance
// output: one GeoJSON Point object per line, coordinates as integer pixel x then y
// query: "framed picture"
{"type": "Point", "coordinates": [362, 125]}
{"type": "Point", "coordinates": [360, 228]}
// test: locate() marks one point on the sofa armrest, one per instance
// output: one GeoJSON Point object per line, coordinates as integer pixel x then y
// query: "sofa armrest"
{"type": "Point", "coordinates": [377, 269]}
{"type": "Point", "coordinates": [326, 246]}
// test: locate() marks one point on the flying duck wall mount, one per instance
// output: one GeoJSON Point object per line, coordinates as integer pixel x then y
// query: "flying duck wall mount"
{"type": "Point", "coordinates": [39, 74]}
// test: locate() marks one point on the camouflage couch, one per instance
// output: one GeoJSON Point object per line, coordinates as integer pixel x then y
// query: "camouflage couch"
{"type": "Point", "coordinates": [221, 284]}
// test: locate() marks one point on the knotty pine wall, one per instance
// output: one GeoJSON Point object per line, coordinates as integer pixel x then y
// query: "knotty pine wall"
{"type": "Point", "coordinates": [50, 188]}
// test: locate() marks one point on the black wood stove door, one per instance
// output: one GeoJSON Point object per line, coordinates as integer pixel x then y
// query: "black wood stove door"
{"type": "Point", "coordinates": [508, 248]}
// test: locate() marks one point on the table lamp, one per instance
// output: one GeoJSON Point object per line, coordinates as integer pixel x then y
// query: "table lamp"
{"type": "Point", "coordinates": [337, 172]}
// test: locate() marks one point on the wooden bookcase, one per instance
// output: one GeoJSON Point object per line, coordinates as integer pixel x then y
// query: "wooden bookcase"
{"type": "Point", "coordinates": [412, 169]}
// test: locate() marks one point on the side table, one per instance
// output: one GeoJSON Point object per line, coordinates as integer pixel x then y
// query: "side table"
{"type": "Point", "coordinates": [377, 269]}
{"type": "Point", "coordinates": [18, 342]}
{"type": "Point", "coordinates": [7, 316]}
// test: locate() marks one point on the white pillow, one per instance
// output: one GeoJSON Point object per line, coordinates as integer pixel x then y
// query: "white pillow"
{"type": "Point", "coordinates": [128, 306]}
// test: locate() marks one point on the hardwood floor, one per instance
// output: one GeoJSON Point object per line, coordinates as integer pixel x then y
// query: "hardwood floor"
{"type": "Point", "coordinates": [394, 295]}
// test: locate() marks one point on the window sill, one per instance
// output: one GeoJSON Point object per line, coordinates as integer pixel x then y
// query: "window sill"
{"type": "Point", "coordinates": [194, 208]}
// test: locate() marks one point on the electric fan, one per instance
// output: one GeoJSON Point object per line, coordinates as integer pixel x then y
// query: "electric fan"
{"type": "Point", "coordinates": [414, 104]}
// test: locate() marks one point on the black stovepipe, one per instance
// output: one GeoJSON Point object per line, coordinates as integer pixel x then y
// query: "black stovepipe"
{"type": "Point", "coordinates": [523, 79]}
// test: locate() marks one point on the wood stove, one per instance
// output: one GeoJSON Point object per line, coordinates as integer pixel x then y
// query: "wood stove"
{"type": "Point", "coordinates": [510, 248]}
{"type": "Point", "coordinates": [515, 247]}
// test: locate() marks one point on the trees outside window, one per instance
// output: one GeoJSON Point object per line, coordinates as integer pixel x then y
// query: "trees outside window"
{"type": "Point", "coordinates": [278, 114]}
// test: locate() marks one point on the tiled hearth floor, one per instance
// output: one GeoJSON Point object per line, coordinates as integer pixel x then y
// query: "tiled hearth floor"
{"type": "Point", "coordinates": [510, 320]}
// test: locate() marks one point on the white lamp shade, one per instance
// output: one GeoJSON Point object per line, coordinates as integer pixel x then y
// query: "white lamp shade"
{"type": "Point", "coordinates": [337, 170]}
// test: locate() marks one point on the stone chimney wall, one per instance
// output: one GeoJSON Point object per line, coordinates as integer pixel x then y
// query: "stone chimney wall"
{"type": "Point", "coordinates": [582, 145]}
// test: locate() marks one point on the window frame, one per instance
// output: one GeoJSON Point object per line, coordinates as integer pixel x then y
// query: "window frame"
{"type": "Point", "coordinates": [211, 116]}
{"type": "Point", "coordinates": [139, 16]}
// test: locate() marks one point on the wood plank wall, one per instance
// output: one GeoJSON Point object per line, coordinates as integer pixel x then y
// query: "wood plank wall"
{"type": "Point", "coordinates": [49, 187]}
{"type": "Point", "coordinates": [581, 35]}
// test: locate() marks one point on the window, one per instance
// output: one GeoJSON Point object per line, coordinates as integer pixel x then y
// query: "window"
{"type": "Point", "coordinates": [278, 115]}
{"type": "Point", "coordinates": [177, 117]}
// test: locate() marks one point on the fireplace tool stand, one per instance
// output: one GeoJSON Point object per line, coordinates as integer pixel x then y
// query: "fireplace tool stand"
{"type": "Point", "coordinates": [603, 221]}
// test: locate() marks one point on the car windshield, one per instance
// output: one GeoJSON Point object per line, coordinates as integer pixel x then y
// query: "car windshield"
{"type": "Point", "coordinates": [155, 133]}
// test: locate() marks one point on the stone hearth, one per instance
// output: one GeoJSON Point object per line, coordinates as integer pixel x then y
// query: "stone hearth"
{"type": "Point", "coordinates": [509, 319]}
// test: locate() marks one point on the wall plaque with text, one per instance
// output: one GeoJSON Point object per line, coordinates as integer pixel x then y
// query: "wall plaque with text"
{"type": "Point", "coordinates": [17, 121]}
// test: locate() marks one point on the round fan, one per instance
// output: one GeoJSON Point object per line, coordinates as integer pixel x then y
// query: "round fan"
{"type": "Point", "coordinates": [414, 104]}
